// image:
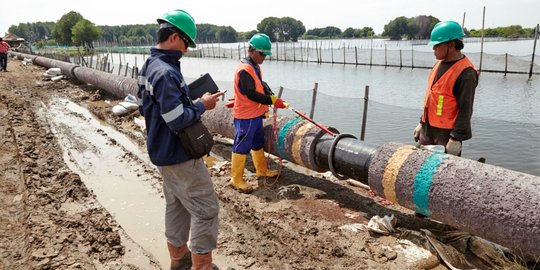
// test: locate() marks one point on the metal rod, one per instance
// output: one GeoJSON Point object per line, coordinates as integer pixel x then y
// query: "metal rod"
{"type": "Point", "coordinates": [313, 122]}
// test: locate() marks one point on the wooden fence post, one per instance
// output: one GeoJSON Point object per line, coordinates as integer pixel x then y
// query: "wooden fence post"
{"type": "Point", "coordinates": [332, 51]}
{"type": "Point", "coordinates": [534, 50]}
{"type": "Point", "coordinates": [280, 92]}
{"type": "Point", "coordinates": [400, 60]}
{"type": "Point", "coordinates": [344, 62]}
{"type": "Point", "coordinates": [364, 116]}
{"type": "Point", "coordinates": [385, 56]}
{"type": "Point", "coordinates": [371, 52]}
{"type": "Point", "coordinates": [412, 57]}
{"type": "Point", "coordinates": [506, 63]}
{"type": "Point", "coordinates": [313, 99]}
{"type": "Point", "coordinates": [356, 55]}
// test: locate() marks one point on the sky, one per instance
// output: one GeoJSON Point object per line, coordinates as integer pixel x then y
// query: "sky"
{"type": "Point", "coordinates": [245, 15]}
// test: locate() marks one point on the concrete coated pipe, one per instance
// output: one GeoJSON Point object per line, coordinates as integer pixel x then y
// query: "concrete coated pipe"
{"type": "Point", "coordinates": [118, 86]}
{"type": "Point", "coordinates": [489, 201]}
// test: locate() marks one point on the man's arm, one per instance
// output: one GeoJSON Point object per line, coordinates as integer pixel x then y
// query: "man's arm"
{"type": "Point", "coordinates": [464, 91]}
{"type": "Point", "coordinates": [247, 87]}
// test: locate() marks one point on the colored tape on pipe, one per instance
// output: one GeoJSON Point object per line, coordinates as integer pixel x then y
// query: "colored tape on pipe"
{"type": "Point", "coordinates": [422, 182]}
{"type": "Point", "coordinates": [392, 170]}
{"type": "Point", "coordinates": [282, 133]}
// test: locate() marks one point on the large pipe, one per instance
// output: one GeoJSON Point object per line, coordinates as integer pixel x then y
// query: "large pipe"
{"type": "Point", "coordinates": [116, 85]}
{"type": "Point", "coordinates": [497, 204]}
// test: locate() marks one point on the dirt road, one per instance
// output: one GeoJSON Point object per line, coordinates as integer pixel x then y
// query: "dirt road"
{"type": "Point", "coordinates": [62, 209]}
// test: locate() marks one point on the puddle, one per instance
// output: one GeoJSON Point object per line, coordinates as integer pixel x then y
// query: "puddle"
{"type": "Point", "coordinates": [100, 155]}
{"type": "Point", "coordinates": [121, 176]}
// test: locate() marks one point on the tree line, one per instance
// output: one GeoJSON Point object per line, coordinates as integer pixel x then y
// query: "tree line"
{"type": "Point", "coordinates": [73, 29]}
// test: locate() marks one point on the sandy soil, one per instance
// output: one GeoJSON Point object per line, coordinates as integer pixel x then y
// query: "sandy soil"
{"type": "Point", "coordinates": [50, 219]}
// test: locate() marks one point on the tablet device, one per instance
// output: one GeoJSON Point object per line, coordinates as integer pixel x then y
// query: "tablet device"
{"type": "Point", "coordinates": [203, 84]}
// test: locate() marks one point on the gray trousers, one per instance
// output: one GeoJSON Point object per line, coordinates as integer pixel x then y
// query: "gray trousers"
{"type": "Point", "coordinates": [191, 206]}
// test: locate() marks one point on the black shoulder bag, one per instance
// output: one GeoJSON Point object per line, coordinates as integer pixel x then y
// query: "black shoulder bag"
{"type": "Point", "coordinates": [196, 139]}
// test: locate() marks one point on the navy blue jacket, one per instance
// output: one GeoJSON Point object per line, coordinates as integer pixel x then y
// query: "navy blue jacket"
{"type": "Point", "coordinates": [166, 106]}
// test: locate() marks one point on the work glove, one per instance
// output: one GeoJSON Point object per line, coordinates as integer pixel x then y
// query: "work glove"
{"type": "Point", "coordinates": [417, 131]}
{"type": "Point", "coordinates": [453, 147]}
{"type": "Point", "coordinates": [230, 104]}
{"type": "Point", "coordinates": [279, 103]}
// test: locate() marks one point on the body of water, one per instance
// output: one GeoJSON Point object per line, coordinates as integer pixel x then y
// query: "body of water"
{"type": "Point", "coordinates": [506, 120]}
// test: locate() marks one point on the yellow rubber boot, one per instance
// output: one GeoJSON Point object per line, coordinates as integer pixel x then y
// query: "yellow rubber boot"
{"type": "Point", "coordinates": [237, 173]}
{"type": "Point", "coordinates": [260, 164]}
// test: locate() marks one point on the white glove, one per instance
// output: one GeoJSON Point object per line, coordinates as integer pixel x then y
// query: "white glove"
{"type": "Point", "coordinates": [417, 131]}
{"type": "Point", "coordinates": [453, 147]}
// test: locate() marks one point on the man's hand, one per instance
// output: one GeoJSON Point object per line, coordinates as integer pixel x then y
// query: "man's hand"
{"type": "Point", "coordinates": [453, 147]}
{"type": "Point", "coordinates": [209, 100]}
{"type": "Point", "coordinates": [279, 103]}
{"type": "Point", "coordinates": [417, 131]}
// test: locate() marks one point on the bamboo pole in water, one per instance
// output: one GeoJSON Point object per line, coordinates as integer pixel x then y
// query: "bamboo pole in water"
{"type": "Point", "coordinates": [412, 57]}
{"type": "Point", "coordinates": [364, 116]}
{"type": "Point", "coordinates": [482, 43]}
{"type": "Point", "coordinates": [313, 99]}
{"type": "Point", "coordinates": [332, 52]}
{"type": "Point", "coordinates": [534, 49]}
{"type": "Point", "coordinates": [385, 56]}
{"type": "Point", "coordinates": [371, 52]}
{"type": "Point", "coordinates": [356, 55]}
{"type": "Point", "coordinates": [505, 63]}
{"type": "Point", "coordinates": [344, 62]}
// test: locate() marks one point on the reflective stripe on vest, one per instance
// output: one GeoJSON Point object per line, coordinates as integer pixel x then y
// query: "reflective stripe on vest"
{"type": "Point", "coordinates": [244, 108]}
{"type": "Point", "coordinates": [439, 102]}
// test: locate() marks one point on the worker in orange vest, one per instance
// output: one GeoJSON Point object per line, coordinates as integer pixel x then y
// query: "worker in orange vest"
{"type": "Point", "coordinates": [449, 99]}
{"type": "Point", "coordinates": [251, 99]}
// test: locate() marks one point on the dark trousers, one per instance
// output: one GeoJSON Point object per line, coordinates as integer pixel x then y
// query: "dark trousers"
{"type": "Point", "coordinates": [3, 61]}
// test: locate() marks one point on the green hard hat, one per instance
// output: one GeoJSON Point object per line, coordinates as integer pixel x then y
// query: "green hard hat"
{"type": "Point", "coordinates": [261, 43]}
{"type": "Point", "coordinates": [445, 31]}
{"type": "Point", "coordinates": [183, 21]}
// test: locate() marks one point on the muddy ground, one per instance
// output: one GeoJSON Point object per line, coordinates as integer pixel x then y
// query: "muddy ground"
{"type": "Point", "coordinates": [50, 219]}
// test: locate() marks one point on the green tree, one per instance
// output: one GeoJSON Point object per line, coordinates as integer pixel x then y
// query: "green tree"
{"type": "Point", "coordinates": [290, 29]}
{"type": "Point", "coordinates": [33, 32]}
{"type": "Point", "coordinates": [396, 28]}
{"type": "Point", "coordinates": [269, 26]}
{"type": "Point", "coordinates": [366, 32]}
{"type": "Point", "coordinates": [424, 25]}
{"type": "Point", "coordinates": [329, 32]}
{"type": "Point", "coordinates": [84, 33]}
{"type": "Point", "coordinates": [62, 30]}
{"type": "Point", "coordinates": [348, 33]}
{"type": "Point", "coordinates": [226, 34]}
{"type": "Point", "coordinates": [245, 36]}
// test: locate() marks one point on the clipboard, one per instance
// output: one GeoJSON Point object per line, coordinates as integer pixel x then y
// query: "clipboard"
{"type": "Point", "coordinates": [201, 85]}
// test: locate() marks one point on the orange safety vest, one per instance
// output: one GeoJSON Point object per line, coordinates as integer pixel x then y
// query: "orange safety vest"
{"type": "Point", "coordinates": [245, 108]}
{"type": "Point", "coordinates": [440, 104]}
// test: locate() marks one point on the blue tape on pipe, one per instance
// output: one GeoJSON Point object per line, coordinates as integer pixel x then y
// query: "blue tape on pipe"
{"type": "Point", "coordinates": [422, 183]}
{"type": "Point", "coordinates": [282, 133]}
